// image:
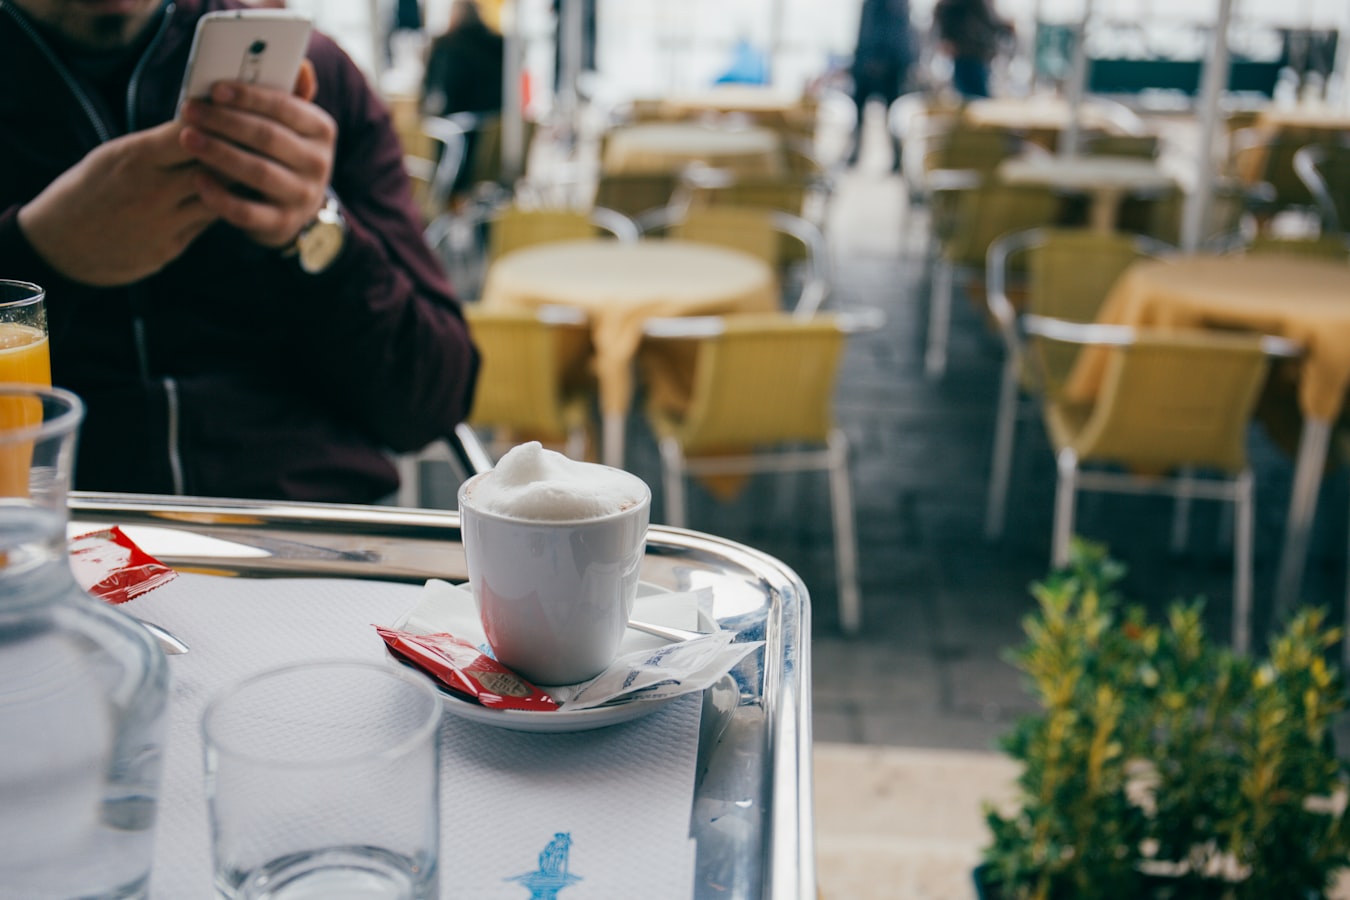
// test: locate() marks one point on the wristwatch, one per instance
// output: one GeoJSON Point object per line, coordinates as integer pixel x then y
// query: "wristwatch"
{"type": "Point", "coordinates": [321, 241]}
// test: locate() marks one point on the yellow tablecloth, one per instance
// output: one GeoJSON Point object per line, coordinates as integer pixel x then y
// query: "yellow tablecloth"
{"type": "Point", "coordinates": [1305, 300]}
{"type": "Point", "coordinates": [671, 146]}
{"type": "Point", "coordinates": [620, 286]}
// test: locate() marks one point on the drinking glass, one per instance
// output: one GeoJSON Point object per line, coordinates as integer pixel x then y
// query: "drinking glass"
{"type": "Point", "coordinates": [322, 782]}
{"type": "Point", "coordinates": [24, 356]}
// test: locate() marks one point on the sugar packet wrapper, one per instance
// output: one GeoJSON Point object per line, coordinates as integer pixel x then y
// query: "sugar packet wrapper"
{"type": "Point", "coordinates": [647, 668]}
{"type": "Point", "coordinates": [110, 566]}
{"type": "Point", "coordinates": [677, 668]}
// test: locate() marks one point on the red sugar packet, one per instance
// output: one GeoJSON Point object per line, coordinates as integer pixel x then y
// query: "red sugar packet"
{"type": "Point", "coordinates": [109, 565]}
{"type": "Point", "coordinates": [459, 666]}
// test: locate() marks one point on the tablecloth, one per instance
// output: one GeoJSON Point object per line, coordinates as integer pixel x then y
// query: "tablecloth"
{"type": "Point", "coordinates": [620, 286]}
{"type": "Point", "coordinates": [1305, 300]}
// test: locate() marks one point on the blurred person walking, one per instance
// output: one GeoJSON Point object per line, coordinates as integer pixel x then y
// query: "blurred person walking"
{"type": "Point", "coordinates": [881, 62]}
{"type": "Point", "coordinates": [970, 32]}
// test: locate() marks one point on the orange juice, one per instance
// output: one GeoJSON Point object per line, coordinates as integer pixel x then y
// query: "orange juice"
{"type": "Point", "coordinates": [24, 356]}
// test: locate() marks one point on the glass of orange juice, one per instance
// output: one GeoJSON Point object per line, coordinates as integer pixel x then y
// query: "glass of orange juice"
{"type": "Point", "coordinates": [24, 356]}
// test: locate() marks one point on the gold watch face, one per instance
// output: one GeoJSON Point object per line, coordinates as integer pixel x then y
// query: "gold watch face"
{"type": "Point", "coordinates": [320, 245]}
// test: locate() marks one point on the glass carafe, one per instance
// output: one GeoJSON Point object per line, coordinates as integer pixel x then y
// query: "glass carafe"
{"type": "Point", "coordinates": [83, 688]}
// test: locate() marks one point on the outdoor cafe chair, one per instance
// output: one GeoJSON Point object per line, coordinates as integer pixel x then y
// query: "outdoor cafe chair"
{"type": "Point", "coordinates": [1324, 170]}
{"type": "Point", "coordinates": [533, 384]}
{"type": "Point", "coordinates": [761, 400]}
{"type": "Point", "coordinates": [1172, 404]}
{"type": "Point", "coordinates": [1061, 273]}
{"type": "Point", "coordinates": [975, 215]}
{"type": "Point", "coordinates": [758, 232]}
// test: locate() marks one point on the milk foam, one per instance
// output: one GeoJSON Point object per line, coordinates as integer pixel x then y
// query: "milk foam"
{"type": "Point", "coordinates": [532, 483]}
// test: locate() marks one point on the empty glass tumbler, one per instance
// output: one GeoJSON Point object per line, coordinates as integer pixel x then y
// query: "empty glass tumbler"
{"type": "Point", "coordinates": [83, 688]}
{"type": "Point", "coordinates": [322, 781]}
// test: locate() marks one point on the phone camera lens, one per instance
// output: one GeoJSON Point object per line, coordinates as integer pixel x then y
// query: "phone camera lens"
{"type": "Point", "coordinates": [257, 47]}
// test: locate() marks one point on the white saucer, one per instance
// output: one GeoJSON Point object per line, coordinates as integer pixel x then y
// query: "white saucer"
{"type": "Point", "coordinates": [550, 722]}
{"type": "Point", "coordinates": [561, 720]}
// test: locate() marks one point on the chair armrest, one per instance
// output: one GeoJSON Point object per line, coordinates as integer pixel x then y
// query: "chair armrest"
{"type": "Point", "coordinates": [616, 223]}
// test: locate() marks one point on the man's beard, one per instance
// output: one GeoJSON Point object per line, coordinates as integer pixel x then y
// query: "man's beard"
{"type": "Point", "coordinates": [111, 32]}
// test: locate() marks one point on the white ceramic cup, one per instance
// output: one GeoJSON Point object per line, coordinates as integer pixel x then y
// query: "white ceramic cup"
{"type": "Point", "coordinates": [554, 596]}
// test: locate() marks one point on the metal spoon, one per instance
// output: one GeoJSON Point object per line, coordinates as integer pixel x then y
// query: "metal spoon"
{"type": "Point", "coordinates": [169, 642]}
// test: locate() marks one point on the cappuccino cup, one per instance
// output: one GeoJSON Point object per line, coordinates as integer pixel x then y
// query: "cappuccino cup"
{"type": "Point", "coordinates": [554, 548]}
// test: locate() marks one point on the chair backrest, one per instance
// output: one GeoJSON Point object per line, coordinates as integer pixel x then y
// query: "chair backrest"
{"type": "Point", "coordinates": [521, 383]}
{"type": "Point", "coordinates": [763, 379]}
{"type": "Point", "coordinates": [960, 145]}
{"type": "Point", "coordinates": [780, 239]}
{"type": "Point", "coordinates": [1261, 157]}
{"type": "Point", "coordinates": [512, 228]}
{"type": "Point", "coordinates": [1069, 272]}
{"type": "Point", "coordinates": [746, 229]}
{"type": "Point", "coordinates": [986, 212]}
{"type": "Point", "coordinates": [1141, 146]}
{"type": "Point", "coordinates": [786, 193]}
{"type": "Point", "coordinates": [1324, 170]}
{"type": "Point", "coordinates": [1176, 398]}
{"type": "Point", "coordinates": [634, 192]}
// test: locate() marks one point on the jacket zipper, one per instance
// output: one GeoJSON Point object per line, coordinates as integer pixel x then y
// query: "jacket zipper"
{"type": "Point", "coordinates": [104, 133]}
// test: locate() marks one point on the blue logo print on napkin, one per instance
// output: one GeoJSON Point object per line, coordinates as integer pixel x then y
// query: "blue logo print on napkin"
{"type": "Point", "coordinates": [552, 875]}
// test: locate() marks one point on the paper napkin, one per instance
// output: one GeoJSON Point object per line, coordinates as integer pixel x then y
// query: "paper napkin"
{"type": "Point", "coordinates": [615, 802]}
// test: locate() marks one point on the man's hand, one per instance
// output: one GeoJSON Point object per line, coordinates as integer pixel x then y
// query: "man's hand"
{"type": "Point", "coordinates": [122, 213]}
{"type": "Point", "coordinates": [265, 155]}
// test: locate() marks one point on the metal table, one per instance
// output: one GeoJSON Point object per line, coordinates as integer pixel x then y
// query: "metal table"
{"type": "Point", "coordinates": [752, 815]}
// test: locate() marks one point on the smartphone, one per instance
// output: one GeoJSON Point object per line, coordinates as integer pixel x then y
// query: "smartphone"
{"type": "Point", "coordinates": [258, 46]}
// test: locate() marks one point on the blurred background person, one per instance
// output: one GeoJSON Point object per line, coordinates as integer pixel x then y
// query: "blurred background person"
{"type": "Point", "coordinates": [970, 32]}
{"type": "Point", "coordinates": [881, 62]}
{"type": "Point", "coordinates": [464, 66]}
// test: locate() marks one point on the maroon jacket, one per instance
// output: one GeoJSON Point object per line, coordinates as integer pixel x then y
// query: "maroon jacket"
{"type": "Point", "coordinates": [230, 372]}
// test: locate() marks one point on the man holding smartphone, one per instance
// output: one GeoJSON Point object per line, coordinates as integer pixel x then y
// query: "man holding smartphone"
{"type": "Point", "coordinates": [240, 294]}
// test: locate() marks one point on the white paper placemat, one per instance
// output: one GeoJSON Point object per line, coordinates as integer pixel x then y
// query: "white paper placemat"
{"type": "Point", "coordinates": [621, 796]}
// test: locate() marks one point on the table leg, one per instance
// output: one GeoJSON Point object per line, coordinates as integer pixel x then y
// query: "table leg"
{"type": "Point", "coordinates": [1105, 208]}
{"type": "Point", "coordinates": [612, 428]}
{"type": "Point", "coordinates": [1312, 456]}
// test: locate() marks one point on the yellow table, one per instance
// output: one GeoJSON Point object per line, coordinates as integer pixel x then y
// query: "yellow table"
{"type": "Point", "coordinates": [672, 146]}
{"type": "Point", "coordinates": [1106, 179]}
{"type": "Point", "coordinates": [1304, 300]}
{"type": "Point", "coordinates": [620, 286]}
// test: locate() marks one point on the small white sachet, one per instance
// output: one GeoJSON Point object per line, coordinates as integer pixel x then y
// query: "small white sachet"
{"type": "Point", "coordinates": [647, 668]}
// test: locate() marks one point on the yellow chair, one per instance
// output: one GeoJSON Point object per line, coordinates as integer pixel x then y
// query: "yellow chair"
{"type": "Point", "coordinates": [767, 234]}
{"type": "Point", "coordinates": [513, 227]}
{"type": "Point", "coordinates": [1171, 404]}
{"type": "Point", "coordinates": [1067, 276]}
{"type": "Point", "coordinates": [632, 193]}
{"type": "Point", "coordinates": [534, 383]}
{"type": "Point", "coordinates": [761, 400]}
{"type": "Point", "coordinates": [1324, 170]}
{"type": "Point", "coordinates": [977, 214]}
